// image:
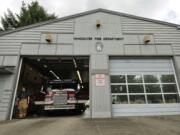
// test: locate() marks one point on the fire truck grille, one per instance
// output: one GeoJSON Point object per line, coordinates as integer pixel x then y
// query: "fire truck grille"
{"type": "Point", "coordinates": [60, 99]}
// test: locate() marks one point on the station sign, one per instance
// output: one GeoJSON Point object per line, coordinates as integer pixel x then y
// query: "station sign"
{"type": "Point", "coordinates": [99, 38]}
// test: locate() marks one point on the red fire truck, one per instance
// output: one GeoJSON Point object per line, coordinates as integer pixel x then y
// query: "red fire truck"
{"type": "Point", "coordinates": [61, 95]}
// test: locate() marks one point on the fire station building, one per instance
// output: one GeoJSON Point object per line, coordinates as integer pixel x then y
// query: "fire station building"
{"type": "Point", "coordinates": [129, 65]}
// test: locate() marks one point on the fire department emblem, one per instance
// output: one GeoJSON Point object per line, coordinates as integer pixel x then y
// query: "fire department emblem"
{"type": "Point", "coordinates": [99, 46]}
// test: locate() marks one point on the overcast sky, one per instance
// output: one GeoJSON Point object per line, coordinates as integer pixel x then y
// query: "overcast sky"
{"type": "Point", "coordinates": [165, 10]}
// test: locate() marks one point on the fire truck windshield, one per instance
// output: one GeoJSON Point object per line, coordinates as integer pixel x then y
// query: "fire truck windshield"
{"type": "Point", "coordinates": [62, 86]}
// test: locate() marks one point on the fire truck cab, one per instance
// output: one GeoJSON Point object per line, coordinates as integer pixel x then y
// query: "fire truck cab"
{"type": "Point", "coordinates": [62, 95]}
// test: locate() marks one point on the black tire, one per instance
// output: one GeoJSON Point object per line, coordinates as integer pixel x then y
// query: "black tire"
{"type": "Point", "coordinates": [80, 108]}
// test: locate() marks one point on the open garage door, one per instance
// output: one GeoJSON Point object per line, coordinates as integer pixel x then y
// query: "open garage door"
{"type": "Point", "coordinates": [143, 87]}
{"type": "Point", "coordinates": [53, 84]}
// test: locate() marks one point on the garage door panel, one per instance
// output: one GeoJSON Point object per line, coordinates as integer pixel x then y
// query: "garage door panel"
{"type": "Point", "coordinates": [142, 110]}
{"type": "Point", "coordinates": [2, 84]}
{"type": "Point", "coordinates": [149, 105]}
{"type": "Point", "coordinates": [147, 65]}
{"type": "Point", "coordinates": [146, 114]}
{"type": "Point", "coordinates": [10, 60]}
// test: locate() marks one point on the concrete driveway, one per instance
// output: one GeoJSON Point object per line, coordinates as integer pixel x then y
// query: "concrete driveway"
{"type": "Point", "coordinates": [167, 125]}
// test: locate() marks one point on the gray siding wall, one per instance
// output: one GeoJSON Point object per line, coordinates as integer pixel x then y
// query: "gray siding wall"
{"type": "Point", "coordinates": [11, 43]}
{"type": "Point", "coordinates": [166, 37]}
{"type": "Point", "coordinates": [6, 91]}
{"type": "Point", "coordinates": [130, 25]}
{"type": "Point", "coordinates": [165, 41]}
{"type": "Point", "coordinates": [7, 85]}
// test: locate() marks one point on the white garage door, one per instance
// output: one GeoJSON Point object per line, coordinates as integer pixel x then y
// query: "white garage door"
{"type": "Point", "coordinates": [143, 87]}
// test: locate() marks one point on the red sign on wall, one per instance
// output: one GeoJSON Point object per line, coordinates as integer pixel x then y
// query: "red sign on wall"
{"type": "Point", "coordinates": [100, 79]}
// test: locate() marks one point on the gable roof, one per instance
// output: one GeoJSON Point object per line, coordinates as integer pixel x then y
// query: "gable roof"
{"type": "Point", "coordinates": [87, 13]}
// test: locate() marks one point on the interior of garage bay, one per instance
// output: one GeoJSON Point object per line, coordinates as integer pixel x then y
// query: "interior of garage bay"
{"type": "Point", "coordinates": [37, 71]}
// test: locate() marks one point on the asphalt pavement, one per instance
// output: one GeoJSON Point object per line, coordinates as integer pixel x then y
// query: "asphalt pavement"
{"type": "Point", "coordinates": [76, 125]}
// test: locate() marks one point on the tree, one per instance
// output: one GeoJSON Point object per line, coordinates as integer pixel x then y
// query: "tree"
{"type": "Point", "coordinates": [9, 21]}
{"type": "Point", "coordinates": [1, 29]}
{"type": "Point", "coordinates": [29, 14]}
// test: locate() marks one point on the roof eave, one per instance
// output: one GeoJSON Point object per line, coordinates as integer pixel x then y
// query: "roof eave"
{"type": "Point", "coordinates": [140, 18]}
{"type": "Point", "coordinates": [86, 13]}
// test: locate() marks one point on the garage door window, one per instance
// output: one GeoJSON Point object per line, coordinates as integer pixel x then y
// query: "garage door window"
{"type": "Point", "coordinates": [167, 79]}
{"type": "Point", "coordinates": [144, 89]}
{"type": "Point", "coordinates": [136, 88]}
{"type": "Point", "coordinates": [118, 89]}
{"type": "Point", "coordinates": [169, 88]}
{"type": "Point", "coordinates": [153, 88]}
{"type": "Point", "coordinates": [151, 79]}
{"type": "Point", "coordinates": [118, 79]}
{"type": "Point", "coordinates": [154, 99]}
{"type": "Point", "coordinates": [119, 99]}
{"type": "Point", "coordinates": [137, 99]}
{"type": "Point", "coordinates": [171, 98]}
{"type": "Point", "coordinates": [134, 78]}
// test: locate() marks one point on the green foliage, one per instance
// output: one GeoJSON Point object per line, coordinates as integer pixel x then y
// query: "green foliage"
{"type": "Point", "coordinates": [9, 21]}
{"type": "Point", "coordinates": [29, 14]}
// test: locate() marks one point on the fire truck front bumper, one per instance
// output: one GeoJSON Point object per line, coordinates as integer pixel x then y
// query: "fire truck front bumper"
{"type": "Point", "coordinates": [60, 107]}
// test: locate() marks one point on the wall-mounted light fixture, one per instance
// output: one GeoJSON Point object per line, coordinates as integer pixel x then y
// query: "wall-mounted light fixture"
{"type": "Point", "coordinates": [98, 23]}
{"type": "Point", "coordinates": [48, 38]}
{"type": "Point", "coordinates": [147, 39]}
